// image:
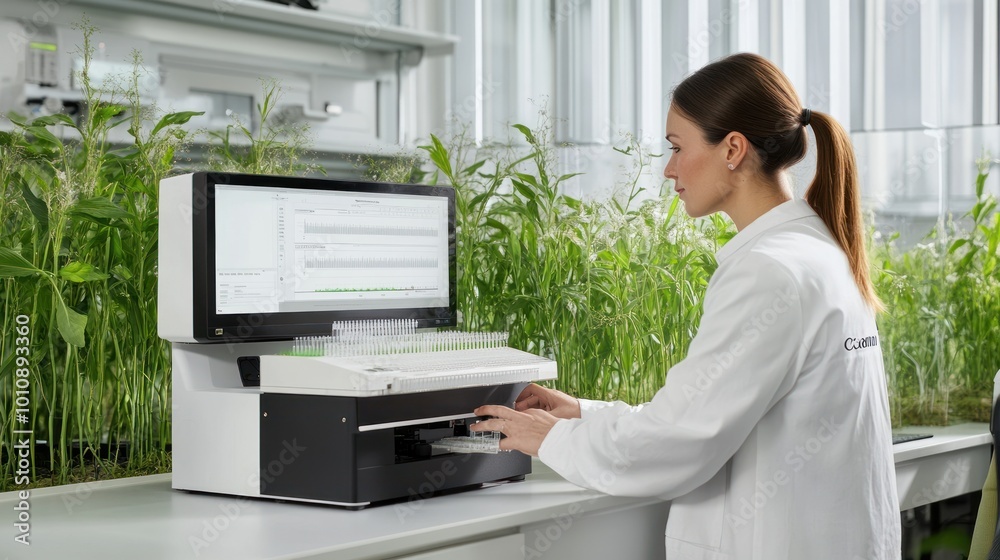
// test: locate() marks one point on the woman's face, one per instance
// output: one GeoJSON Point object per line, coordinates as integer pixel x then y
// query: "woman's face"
{"type": "Point", "coordinates": [699, 169]}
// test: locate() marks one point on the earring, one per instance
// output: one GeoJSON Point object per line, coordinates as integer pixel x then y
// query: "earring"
{"type": "Point", "coordinates": [731, 167]}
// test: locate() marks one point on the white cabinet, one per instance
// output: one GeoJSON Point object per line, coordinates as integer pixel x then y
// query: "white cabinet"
{"type": "Point", "coordinates": [510, 547]}
{"type": "Point", "coordinates": [624, 532]}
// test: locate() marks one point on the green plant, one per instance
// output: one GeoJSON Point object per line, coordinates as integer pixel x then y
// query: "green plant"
{"type": "Point", "coordinates": [611, 290]}
{"type": "Point", "coordinates": [277, 147]}
{"type": "Point", "coordinates": [399, 168]}
{"type": "Point", "coordinates": [78, 256]}
{"type": "Point", "coordinates": [79, 259]}
{"type": "Point", "coordinates": [940, 328]}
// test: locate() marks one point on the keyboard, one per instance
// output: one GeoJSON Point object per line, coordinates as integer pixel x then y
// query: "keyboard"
{"type": "Point", "coordinates": [903, 438]}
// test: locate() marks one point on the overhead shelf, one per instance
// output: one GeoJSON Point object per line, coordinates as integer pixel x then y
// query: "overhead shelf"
{"type": "Point", "coordinates": [268, 18]}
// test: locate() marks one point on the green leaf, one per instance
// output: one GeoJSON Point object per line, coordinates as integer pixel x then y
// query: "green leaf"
{"type": "Point", "coordinates": [473, 168]}
{"type": "Point", "coordinates": [13, 264]}
{"type": "Point", "coordinates": [674, 203]}
{"type": "Point", "coordinates": [439, 155]}
{"type": "Point", "coordinates": [958, 243]}
{"type": "Point", "coordinates": [116, 245]}
{"type": "Point", "coordinates": [573, 203]}
{"type": "Point", "coordinates": [103, 114]}
{"type": "Point", "coordinates": [71, 324]}
{"type": "Point", "coordinates": [967, 259]}
{"type": "Point", "coordinates": [523, 189]}
{"type": "Point", "coordinates": [168, 157]}
{"type": "Point", "coordinates": [566, 176]}
{"type": "Point", "coordinates": [528, 179]}
{"type": "Point", "coordinates": [7, 138]}
{"type": "Point", "coordinates": [98, 207]}
{"type": "Point", "coordinates": [493, 223]}
{"type": "Point", "coordinates": [19, 120]}
{"type": "Point", "coordinates": [77, 271]}
{"type": "Point", "coordinates": [59, 118]}
{"type": "Point", "coordinates": [36, 205]}
{"type": "Point", "coordinates": [43, 136]}
{"type": "Point", "coordinates": [478, 199]}
{"type": "Point", "coordinates": [172, 119]}
{"type": "Point", "coordinates": [527, 133]}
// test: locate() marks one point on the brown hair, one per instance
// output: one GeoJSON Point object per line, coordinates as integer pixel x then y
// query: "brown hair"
{"type": "Point", "coordinates": [746, 93]}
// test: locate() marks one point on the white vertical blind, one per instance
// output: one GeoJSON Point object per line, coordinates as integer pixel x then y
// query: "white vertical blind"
{"type": "Point", "coordinates": [624, 101]}
{"type": "Point", "coordinates": [930, 74]}
{"type": "Point", "coordinates": [698, 35]}
{"type": "Point", "coordinates": [748, 16]}
{"type": "Point", "coordinates": [652, 97]}
{"type": "Point", "coordinates": [598, 70]}
{"type": "Point", "coordinates": [989, 67]}
{"type": "Point", "coordinates": [793, 42]}
{"type": "Point", "coordinates": [876, 65]}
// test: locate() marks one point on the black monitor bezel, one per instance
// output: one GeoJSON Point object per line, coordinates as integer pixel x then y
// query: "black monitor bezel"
{"type": "Point", "coordinates": [209, 326]}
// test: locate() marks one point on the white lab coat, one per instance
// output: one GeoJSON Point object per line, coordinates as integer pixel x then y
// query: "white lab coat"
{"type": "Point", "coordinates": [772, 437]}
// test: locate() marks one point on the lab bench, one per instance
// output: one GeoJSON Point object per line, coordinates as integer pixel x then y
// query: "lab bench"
{"type": "Point", "coordinates": [543, 517]}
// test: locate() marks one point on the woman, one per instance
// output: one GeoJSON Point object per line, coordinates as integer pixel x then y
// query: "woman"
{"type": "Point", "coordinates": [772, 437]}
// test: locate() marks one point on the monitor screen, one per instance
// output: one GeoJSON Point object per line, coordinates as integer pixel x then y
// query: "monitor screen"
{"type": "Point", "coordinates": [276, 257]}
{"type": "Point", "coordinates": [328, 250]}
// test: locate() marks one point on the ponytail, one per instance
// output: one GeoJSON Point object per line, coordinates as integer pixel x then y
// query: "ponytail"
{"type": "Point", "coordinates": [835, 195]}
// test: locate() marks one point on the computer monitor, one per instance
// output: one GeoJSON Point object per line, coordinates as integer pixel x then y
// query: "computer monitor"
{"type": "Point", "coordinates": [255, 257]}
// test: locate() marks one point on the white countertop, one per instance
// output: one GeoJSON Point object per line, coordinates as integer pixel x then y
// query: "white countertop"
{"type": "Point", "coordinates": [946, 439]}
{"type": "Point", "coordinates": [952, 463]}
{"type": "Point", "coordinates": [93, 520]}
{"type": "Point", "coordinates": [144, 518]}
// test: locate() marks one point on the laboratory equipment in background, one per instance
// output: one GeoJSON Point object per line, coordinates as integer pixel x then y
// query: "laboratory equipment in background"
{"type": "Point", "coordinates": [346, 109]}
{"type": "Point", "coordinates": [38, 78]}
{"type": "Point", "coordinates": [306, 364]}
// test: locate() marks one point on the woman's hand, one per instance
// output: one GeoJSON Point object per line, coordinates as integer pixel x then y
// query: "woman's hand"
{"type": "Point", "coordinates": [524, 430]}
{"type": "Point", "coordinates": [554, 402]}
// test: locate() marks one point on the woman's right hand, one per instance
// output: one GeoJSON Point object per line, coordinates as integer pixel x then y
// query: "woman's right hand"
{"type": "Point", "coordinates": [555, 402]}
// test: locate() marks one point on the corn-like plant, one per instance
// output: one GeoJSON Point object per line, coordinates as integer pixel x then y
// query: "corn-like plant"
{"type": "Point", "coordinates": [78, 256]}
{"type": "Point", "coordinates": [941, 327]}
{"type": "Point", "coordinates": [277, 147]}
{"type": "Point", "coordinates": [610, 290]}
{"type": "Point", "coordinates": [613, 292]}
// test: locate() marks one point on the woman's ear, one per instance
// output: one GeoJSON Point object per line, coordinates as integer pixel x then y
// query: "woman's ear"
{"type": "Point", "coordinates": [735, 148]}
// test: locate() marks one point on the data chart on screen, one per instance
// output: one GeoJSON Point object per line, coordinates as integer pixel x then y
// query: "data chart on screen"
{"type": "Point", "coordinates": [291, 250]}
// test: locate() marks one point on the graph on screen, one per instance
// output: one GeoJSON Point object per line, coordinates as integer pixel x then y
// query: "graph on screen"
{"type": "Point", "coordinates": [329, 250]}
